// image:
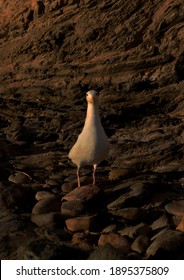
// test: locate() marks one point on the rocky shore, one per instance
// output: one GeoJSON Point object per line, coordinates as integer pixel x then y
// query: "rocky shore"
{"type": "Point", "coordinates": [51, 53]}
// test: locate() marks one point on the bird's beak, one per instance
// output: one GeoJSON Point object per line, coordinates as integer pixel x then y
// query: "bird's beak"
{"type": "Point", "coordinates": [90, 99]}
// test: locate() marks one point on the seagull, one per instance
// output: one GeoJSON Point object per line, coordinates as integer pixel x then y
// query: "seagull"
{"type": "Point", "coordinates": [92, 145]}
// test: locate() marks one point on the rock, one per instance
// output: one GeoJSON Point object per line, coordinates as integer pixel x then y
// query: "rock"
{"type": "Point", "coordinates": [134, 256]}
{"type": "Point", "coordinates": [73, 208]}
{"type": "Point", "coordinates": [171, 167]}
{"type": "Point", "coordinates": [69, 186]}
{"type": "Point", "coordinates": [116, 241]}
{"type": "Point", "coordinates": [106, 252]}
{"type": "Point", "coordinates": [180, 226]}
{"type": "Point", "coordinates": [135, 231]}
{"type": "Point", "coordinates": [161, 222]}
{"type": "Point", "coordinates": [19, 178]}
{"type": "Point", "coordinates": [47, 205]}
{"type": "Point", "coordinates": [137, 192]}
{"type": "Point", "coordinates": [140, 244]}
{"type": "Point", "coordinates": [44, 249]}
{"type": "Point", "coordinates": [57, 177]}
{"type": "Point", "coordinates": [131, 213]}
{"type": "Point", "coordinates": [81, 223]}
{"type": "Point", "coordinates": [83, 194]}
{"type": "Point", "coordinates": [110, 228]}
{"type": "Point", "coordinates": [168, 245]}
{"type": "Point", "coordinates": [38, 7]}
{"type": "Point", "coordinates": [43, 195]}
{"type": "Point", "coordinates": [47, 220]}
{"type": "Point", "coordinates": [84, 237]}
{"type": "Point", "coordinates": [124, 173]}
{"type": "Point", "coordinates": [57, 234]}
{"type": "Point", "coordinates": [175, 208]}
{"type": "Point", "coordinates": [18, 198]}
{"type": "Point", "coordinates": [52, 182]}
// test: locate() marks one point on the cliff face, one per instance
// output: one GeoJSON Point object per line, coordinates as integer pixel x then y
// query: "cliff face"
{"type": "Point", "coordinates": [58, 44]}
{"type": "Point", "coordinates": [51, 52]}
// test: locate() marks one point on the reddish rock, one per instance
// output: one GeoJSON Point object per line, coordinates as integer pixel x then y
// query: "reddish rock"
{"type": "Point", "coordinates": [81, 223]}
{"type": "Point", "coordinates": [180, 226]}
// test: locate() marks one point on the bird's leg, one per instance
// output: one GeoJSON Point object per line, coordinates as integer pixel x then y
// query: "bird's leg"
{"type": "Point", "coordinates": [94, 171]}
{"type": "Point", "coordinates": [78, 176]}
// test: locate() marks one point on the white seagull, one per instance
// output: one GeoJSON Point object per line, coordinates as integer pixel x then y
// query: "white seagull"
{"type": "Point", "coordinates": [92, 145]}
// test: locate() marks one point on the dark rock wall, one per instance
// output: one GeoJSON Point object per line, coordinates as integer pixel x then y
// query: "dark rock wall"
{"type": "Point", "coordinates": [60, 44]}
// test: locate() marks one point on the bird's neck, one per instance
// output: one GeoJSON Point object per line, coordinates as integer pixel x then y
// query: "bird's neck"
{"type": "Point", "coordinates": [92, 114]}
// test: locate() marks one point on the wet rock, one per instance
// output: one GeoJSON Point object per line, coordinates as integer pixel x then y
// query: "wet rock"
{"type": "Point", "coordinates": [19, 178]}
{"type": "Point", "coordinates": [73, 208]}
{"type": "Point", "coordinates": [106, 252]}
{"type": "Point", "coordinates": [168, 245]}
{"type": "Point", "coordinates": [82, 223]}
{"type": "Point", "coordinates": [140, 244]}
{"type": "Point", "coordinates": [47, 220]}
{"type": "Point", "coordinates": [47, 205]}
{"type": "Point", "coordinates": [116, 240]}
{"type": "Point", "coordinates": [175, 208]}
{"type": "Point", "coordinates": [43, 195]}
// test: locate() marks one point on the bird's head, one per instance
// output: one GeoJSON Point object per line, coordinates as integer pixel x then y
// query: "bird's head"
{"type": "Point", "coordinates": [92, 96]}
